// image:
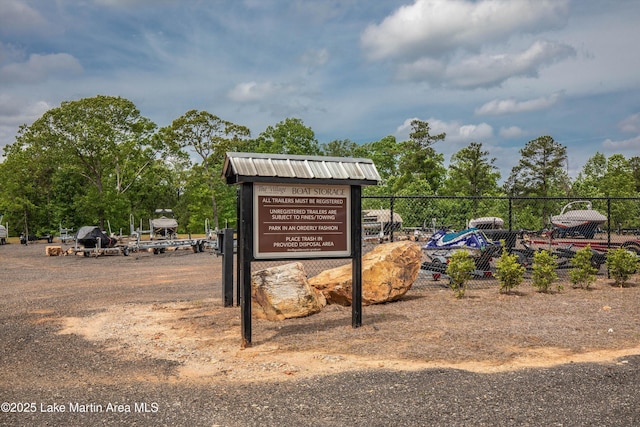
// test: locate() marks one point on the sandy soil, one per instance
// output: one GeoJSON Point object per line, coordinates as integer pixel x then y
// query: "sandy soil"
{"type": "Point", "coordinates": [166, 307]}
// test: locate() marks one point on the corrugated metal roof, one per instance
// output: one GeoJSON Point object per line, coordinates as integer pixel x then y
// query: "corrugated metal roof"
{"type": "Point", "coordinates": [247, 167]}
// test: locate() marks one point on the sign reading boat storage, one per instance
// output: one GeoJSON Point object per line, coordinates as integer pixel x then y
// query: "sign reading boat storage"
{"type": "Point", "coordinates": [301, 221]}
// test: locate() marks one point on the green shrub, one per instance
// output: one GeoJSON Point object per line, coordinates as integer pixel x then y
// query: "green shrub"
{"type": "Point", "coordinates": [459, 269]}
{"type": "Point", "coordinates": [508, 271]}
{"type": "Point", "coordinates": [544, 271]}
{"type": "Point", "coordinates": [621, 265]}
{"type": "Point", "coordinates": [582, 273]}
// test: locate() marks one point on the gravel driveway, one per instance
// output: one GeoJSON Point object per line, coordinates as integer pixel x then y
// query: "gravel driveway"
{"type": "Point", "coordinates": [49, 378]}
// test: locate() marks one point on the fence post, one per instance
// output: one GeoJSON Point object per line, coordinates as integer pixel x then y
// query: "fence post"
{"type": "Point", "coordinates": [391, 220]}
{"type": "Point", "coordinates": [510, 213]}
{"type": "Point", "coordinates": [225, 244]}
{"type": "Point", "coordinates": [608, 222]}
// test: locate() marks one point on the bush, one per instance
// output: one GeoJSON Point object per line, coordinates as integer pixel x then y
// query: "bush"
{"type": "Point", "coordinates": [460, 268]}
{"type": "Point", "coordinates": [508, 271]}
{"type": "Point", "coordinates": [582, 272]}
{"type": "Point", "coordinates": [621, 265]}
{"type": "Point", "coordinates": [544, 271]}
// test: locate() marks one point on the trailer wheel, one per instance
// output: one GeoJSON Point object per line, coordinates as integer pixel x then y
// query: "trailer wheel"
{"type": "Point", "coordinates": [125, 251]}
{"type": "Point", "coordinates": [632, 246]}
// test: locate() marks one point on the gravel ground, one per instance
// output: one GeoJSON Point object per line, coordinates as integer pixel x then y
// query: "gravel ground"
{"type": "Point", "coordinates": [114, 382]}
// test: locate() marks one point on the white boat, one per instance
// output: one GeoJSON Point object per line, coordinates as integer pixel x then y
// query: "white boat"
{"type": "Point", "coordinates": [487, 223]}
{"type": "Point", "coordinates": [380, 221]}
{"type": "Point", "coordinates": [165, 226]}
{"type": "Point", "coordinates": [578, 221]}
{"type": "Point", "coordinates": [4, 234]}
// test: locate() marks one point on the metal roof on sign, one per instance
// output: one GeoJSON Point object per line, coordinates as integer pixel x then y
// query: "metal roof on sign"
{"type": "Point", "coordinates": [260, 167]}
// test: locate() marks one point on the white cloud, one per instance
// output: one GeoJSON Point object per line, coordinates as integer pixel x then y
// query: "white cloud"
{"type": "Point", "coordinates": [630, 124]}
{"type": "Point", "coordinates": [485, 70]}
{"type": "Point", "coordinates": [456, 132]}
{"type": "Point", "coordinates": [129, 3]}
{"type": "Point", "coordinates": [627, 144]}
{"type": "Point", "coordinates": [510, 106]}
{"type": "Point", "coordinates": [314, 58]}
{"type": "Point", "coordinates": [17, 16]}
{"type": "Point", "coordinates": [40, 67]}
{"type": "Point", "coordinates": [15, 112]}
{"type": "Point", "coordinates": [253, 91]}
{"type": "Point", "coordinates": [468, 44]}
{"type": "Point", "coordinates": [511, 132]}
{"type": "Point", "coordinates": [437, 27]}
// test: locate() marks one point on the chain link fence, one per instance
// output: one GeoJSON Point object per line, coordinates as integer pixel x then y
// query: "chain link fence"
{"type": "Point", "coordinates": [523, 225]}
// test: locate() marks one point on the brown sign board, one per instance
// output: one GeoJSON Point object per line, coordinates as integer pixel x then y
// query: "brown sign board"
{"type": "Point", "coordinates": [301, 221]}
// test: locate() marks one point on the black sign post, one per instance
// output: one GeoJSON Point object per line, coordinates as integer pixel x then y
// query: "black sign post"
{"type": "Point", "coordinates": [298, 207]}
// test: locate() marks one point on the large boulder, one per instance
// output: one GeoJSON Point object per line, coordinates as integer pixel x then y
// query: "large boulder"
{"type": "Point", "coordinates": [388, 272]}
{"type": "Point", "coordinates": [283, 292]}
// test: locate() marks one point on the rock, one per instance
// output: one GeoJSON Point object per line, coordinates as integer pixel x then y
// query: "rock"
{"type": "Point", "coordinates": [53, 250]}
{"type": "Point", "coordinates": [283, 292]}
{"type": "Point", "coordinates": [388, 272]}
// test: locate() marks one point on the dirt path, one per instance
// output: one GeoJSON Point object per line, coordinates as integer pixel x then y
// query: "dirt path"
{"type": "Point", "coordinates": [165, 307]}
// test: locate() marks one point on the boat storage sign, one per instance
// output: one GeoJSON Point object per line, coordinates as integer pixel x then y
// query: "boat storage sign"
{"type": "Point", "coordinates": [301, 221]}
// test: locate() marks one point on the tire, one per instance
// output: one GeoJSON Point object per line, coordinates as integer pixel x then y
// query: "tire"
{"type": "Point", "coordinates": [632, 246]}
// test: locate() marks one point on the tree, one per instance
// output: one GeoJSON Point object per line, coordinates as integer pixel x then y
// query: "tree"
{"type": "Point", "coordinates": [104, 140]}
{"type": "Point", "coordinates": [384, 154]}
{"type": "Point", "coordinates": [540, 171]}
{"type": "Point", "coordinates": [210, 138]}
{"type": "Point", "coordinates": [634, 164]}
{"type": "Point", "coordinates": [588, 181]}
{"type": "Point", "coordinates": [472, 173]}
{"type": "Point", "coordinates": [418, 158]}
{"type": "Point", "coordinates": [610, 177]}
{"type": "Point", "coordinates": [290, 136]}
{"type": "Point", "coordinates": [20, 196]}
{"type": "Point", "coordinates": [340, 148]}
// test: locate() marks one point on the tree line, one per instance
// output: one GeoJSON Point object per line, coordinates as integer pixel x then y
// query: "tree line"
{"type": "Point", "coordinates": [98, 161]}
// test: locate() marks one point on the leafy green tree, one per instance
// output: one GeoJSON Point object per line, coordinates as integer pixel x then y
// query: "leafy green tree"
{"type": "Point", "coordinates": [472, 173]}
{"type": "Point", "coordinates": [621, 264]}
{"type": "Point", "coordinates": [419, 160]}
{"type": "Point", "coordinates": [104, 140]}
{"type": "Point", "coordinates": [582, 272]}
{"type": "Point", "coordinates": [460, 268]}
{"type": "Point", "coordinates": [610, 177]}
{"type": "Point", "coordinates": [290, 136]}
{"type": "Point", "coordinates": [209, 137]}
{"type": "Point", "coordinates": [384, 154]}
{"type": "Point", "coordinates": [634, 164]}
{"type": "Point", "coordinates": [540, 172]}
{"type": "Point", "coordinates": [508, 271]}
{"type": "Point", "coordinates": [544, 271]}
{"type": "Point", "coordinates": [22, 200]}
{"type": "Point", "coordinates": [340, 148]}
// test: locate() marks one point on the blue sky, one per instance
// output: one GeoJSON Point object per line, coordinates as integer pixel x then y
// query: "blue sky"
{"type": "Point", "coordinates": [499, 72]}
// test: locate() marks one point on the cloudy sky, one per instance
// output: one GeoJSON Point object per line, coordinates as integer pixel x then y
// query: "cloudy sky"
{"type": "Point", "coordinates": [499, 72]}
